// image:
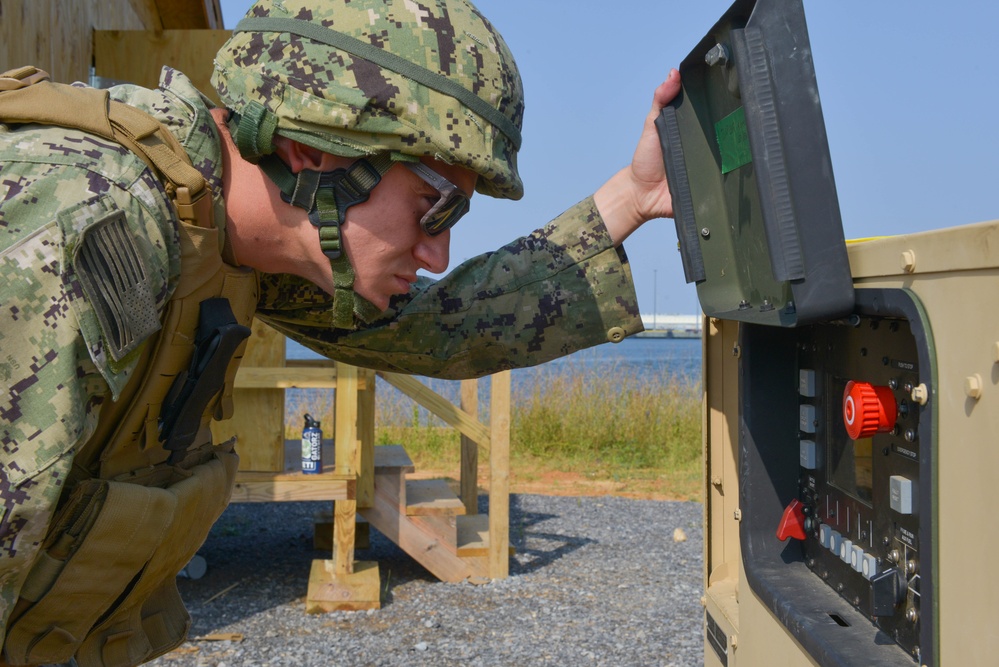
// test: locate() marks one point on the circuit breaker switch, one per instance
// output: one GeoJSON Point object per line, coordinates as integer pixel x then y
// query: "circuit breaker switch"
{"type": "Point", "coordinates": [868, 409]}
{"type": "Point", "coordinates": [792, 524]}
{"type": "Point", "coordinates": [901, 494]}
{"type": "Point", "coordinates": [806, 382]}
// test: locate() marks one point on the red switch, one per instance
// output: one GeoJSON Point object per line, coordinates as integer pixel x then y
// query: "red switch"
{"type": "Point", "coordinates": [792, 524]}
{"type": "Point", "coordinates": [868, 409]}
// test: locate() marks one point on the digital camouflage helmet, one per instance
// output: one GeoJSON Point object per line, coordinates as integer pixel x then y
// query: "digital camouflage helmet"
{"type": "Point", "coordinates": [377, 80]}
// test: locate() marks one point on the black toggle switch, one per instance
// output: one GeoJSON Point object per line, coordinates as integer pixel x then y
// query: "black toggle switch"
{"type": "Point", "coordinates": [887, 592]}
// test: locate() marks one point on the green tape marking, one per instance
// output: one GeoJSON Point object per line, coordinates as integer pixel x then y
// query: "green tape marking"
{"type": "Point", "coordinates": [733, 141]}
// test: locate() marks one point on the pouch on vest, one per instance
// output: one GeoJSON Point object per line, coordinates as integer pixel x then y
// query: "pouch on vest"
{"type": "Point", "coordinates": [124, 605]}
{"type": "Point", "coordinates": [219, 334]}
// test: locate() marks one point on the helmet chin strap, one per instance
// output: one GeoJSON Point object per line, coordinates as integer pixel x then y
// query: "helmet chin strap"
{"type": "Point", "coordinates": [327, 195]}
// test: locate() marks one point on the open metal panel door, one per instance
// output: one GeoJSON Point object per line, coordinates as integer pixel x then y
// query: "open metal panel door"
{"type": "Point", "coordinates": [746, 155]}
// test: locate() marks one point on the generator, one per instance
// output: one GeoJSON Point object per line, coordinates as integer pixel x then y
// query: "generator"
{"type": "Point", "coordinates": [851, 389]}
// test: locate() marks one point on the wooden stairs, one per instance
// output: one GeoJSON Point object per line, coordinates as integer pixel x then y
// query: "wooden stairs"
{"type": "Point", "coordinates": [427, 520]}
{"type": "Point", "coordinates": [423, 517]}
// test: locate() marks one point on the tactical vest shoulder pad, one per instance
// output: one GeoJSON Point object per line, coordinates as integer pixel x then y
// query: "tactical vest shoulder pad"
{"type": "Point", "coordinates": [27, 96]}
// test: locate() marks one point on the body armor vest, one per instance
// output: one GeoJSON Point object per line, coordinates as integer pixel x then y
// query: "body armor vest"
{"type": "Point", "coordinates": [148, 485]}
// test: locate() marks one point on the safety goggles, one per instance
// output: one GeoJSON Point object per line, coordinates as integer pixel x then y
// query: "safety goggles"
{"type": "Point", "coordinates": [449, 208]}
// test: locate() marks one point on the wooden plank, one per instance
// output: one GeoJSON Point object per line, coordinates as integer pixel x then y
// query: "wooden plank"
{"type": "Point", "coordinates": [440, 406]}
{"type": "Point", "coordinates": [366, 437]}
{"type": "Point", "coordinates": [256, 377]}
{"type": "Point", "coordinates": [316, 487]}
{"type": "Point", "coordinates": [137, 56]}
{"type": "Point", "coordinates": [469, 492]}
{"type": "Point", "coordinates": [499, 477]}
{"type": "Point", "coordinates": [329, 591]}
{"type": "Point", "coordinates": [292, 465]}
{"type": "Point", "coordinates": [442, 527]}
{"type": "Point", "coordinates": [473, 537]}
{"type": "Point", "coordinates": [393, 456]}
{"type": "Point", "coordinates": [27, 27]}
{"type": "Point", "coordinates": [345, 427]}
{"type": "Point", "coordinates": [322, 531]}
{"type": "Point", "coordinates": [72, 46]}
{"type": "Point", "coordinates": [293, 477]}
{"type": "Point", "coordinates": [343, 536]}
{"type": "Point", "coordinates": [58, 36]}
{"type": "Point", "coordinates": [431, 497]}
{"type": "Point", "coordinates": [311, 363]}
{"type": "Point", "coordinates": [258, 414]}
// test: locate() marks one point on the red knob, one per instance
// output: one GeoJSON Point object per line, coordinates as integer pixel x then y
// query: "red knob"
{"type": "Point", "coordinates": [868, 409]}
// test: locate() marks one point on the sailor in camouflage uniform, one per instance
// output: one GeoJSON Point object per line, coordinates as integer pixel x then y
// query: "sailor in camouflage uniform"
{"type": "Point", "coordinates": [419, 106]}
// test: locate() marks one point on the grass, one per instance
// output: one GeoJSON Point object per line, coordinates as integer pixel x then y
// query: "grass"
{"type": "Point", "coordinates": [592, 433]}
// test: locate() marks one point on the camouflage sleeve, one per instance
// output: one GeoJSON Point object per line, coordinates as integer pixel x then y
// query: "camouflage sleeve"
{"type": "Point", "coordinates": [558, 290]}
{"type": "Point", "coordinates": [49, 392]}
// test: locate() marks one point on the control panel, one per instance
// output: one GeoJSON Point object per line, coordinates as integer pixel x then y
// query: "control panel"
{"type": "Point", "coordinates": [848, 469]}
{"type": "Point", "coordinates": [859, 459]}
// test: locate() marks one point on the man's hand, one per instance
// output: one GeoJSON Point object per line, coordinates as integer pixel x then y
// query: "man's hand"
{"type": "Point", "coordinates": [639, 192]}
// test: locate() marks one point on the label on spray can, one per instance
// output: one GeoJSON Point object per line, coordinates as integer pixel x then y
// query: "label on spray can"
{"type": "Point", "coordinates": [312, 446]}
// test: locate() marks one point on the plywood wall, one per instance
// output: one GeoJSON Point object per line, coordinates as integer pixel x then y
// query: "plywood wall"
{"type": "Point", "coordinates": [57, 35]}
{"type": "Point", "coordinates": [138, 56]}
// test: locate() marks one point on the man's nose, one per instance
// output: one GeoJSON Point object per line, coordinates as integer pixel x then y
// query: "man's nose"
{"type": "Point", "coordinates": [433, 253]}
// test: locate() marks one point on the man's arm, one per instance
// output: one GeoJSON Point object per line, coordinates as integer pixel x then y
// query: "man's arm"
{"type": "Point", "coordinates": [563, 288]}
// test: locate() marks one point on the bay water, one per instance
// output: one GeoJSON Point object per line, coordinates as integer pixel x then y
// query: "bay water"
{"type": "Point", "coordinates": [633, 361]}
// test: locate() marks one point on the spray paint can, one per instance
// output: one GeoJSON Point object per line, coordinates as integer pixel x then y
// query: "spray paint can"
{"type": "Point", "coordinates": [312, 447]}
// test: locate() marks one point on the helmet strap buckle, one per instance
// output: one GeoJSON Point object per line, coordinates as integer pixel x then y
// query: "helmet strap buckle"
{"type": "Point", "coordinates": [327, 196]}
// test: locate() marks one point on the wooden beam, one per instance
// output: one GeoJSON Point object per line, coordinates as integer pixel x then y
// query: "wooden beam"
{"type": "Point", "coordinates": [258, 411]}
{"type": "Point", "coordinates": [440, 406]}
{"type": "Point", "coordinates": [274, 489]}
{"type": "Point", "coordinates": [345, 427]}
{"type": "Point", "coordinates": [343, 536]}
{"type": "Point", "coordinates": [469, 480]}
{"type": "Point", "coordinates": [499, 476]}
{"type": "Point", "coordinates": [366, 438]}
{"type": "Point", "coordinates": [256, 377]}
{"type": "Point", "coordinates": [347, 461]}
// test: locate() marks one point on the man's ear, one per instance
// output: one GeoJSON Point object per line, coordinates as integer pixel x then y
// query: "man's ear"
{"type": "Point", "coordinates": [299, 156]}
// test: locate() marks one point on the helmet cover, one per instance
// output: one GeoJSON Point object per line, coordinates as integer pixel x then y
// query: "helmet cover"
{"type": "Point", "coordinates": [427, 78]}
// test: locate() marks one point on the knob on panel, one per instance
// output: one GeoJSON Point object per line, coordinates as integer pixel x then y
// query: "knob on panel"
{"type": "Point", "coordinates": [868, 409]}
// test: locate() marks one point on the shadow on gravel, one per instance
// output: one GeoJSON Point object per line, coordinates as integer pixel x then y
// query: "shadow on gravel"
{"type": "Point", "coordinates": [259, 556]}
{"type": "Point", "coordinates": [533, 548]}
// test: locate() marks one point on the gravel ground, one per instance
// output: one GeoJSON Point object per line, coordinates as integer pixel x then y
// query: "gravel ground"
{"type": "Point", "coordinates": [595, 581]}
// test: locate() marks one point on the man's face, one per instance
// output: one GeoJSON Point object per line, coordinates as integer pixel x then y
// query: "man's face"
{"type": "Point", "coordinates": [383, 237]}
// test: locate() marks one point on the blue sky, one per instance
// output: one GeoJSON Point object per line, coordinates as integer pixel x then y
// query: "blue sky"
{"type": "Point", "coordinates": [908, 91]}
